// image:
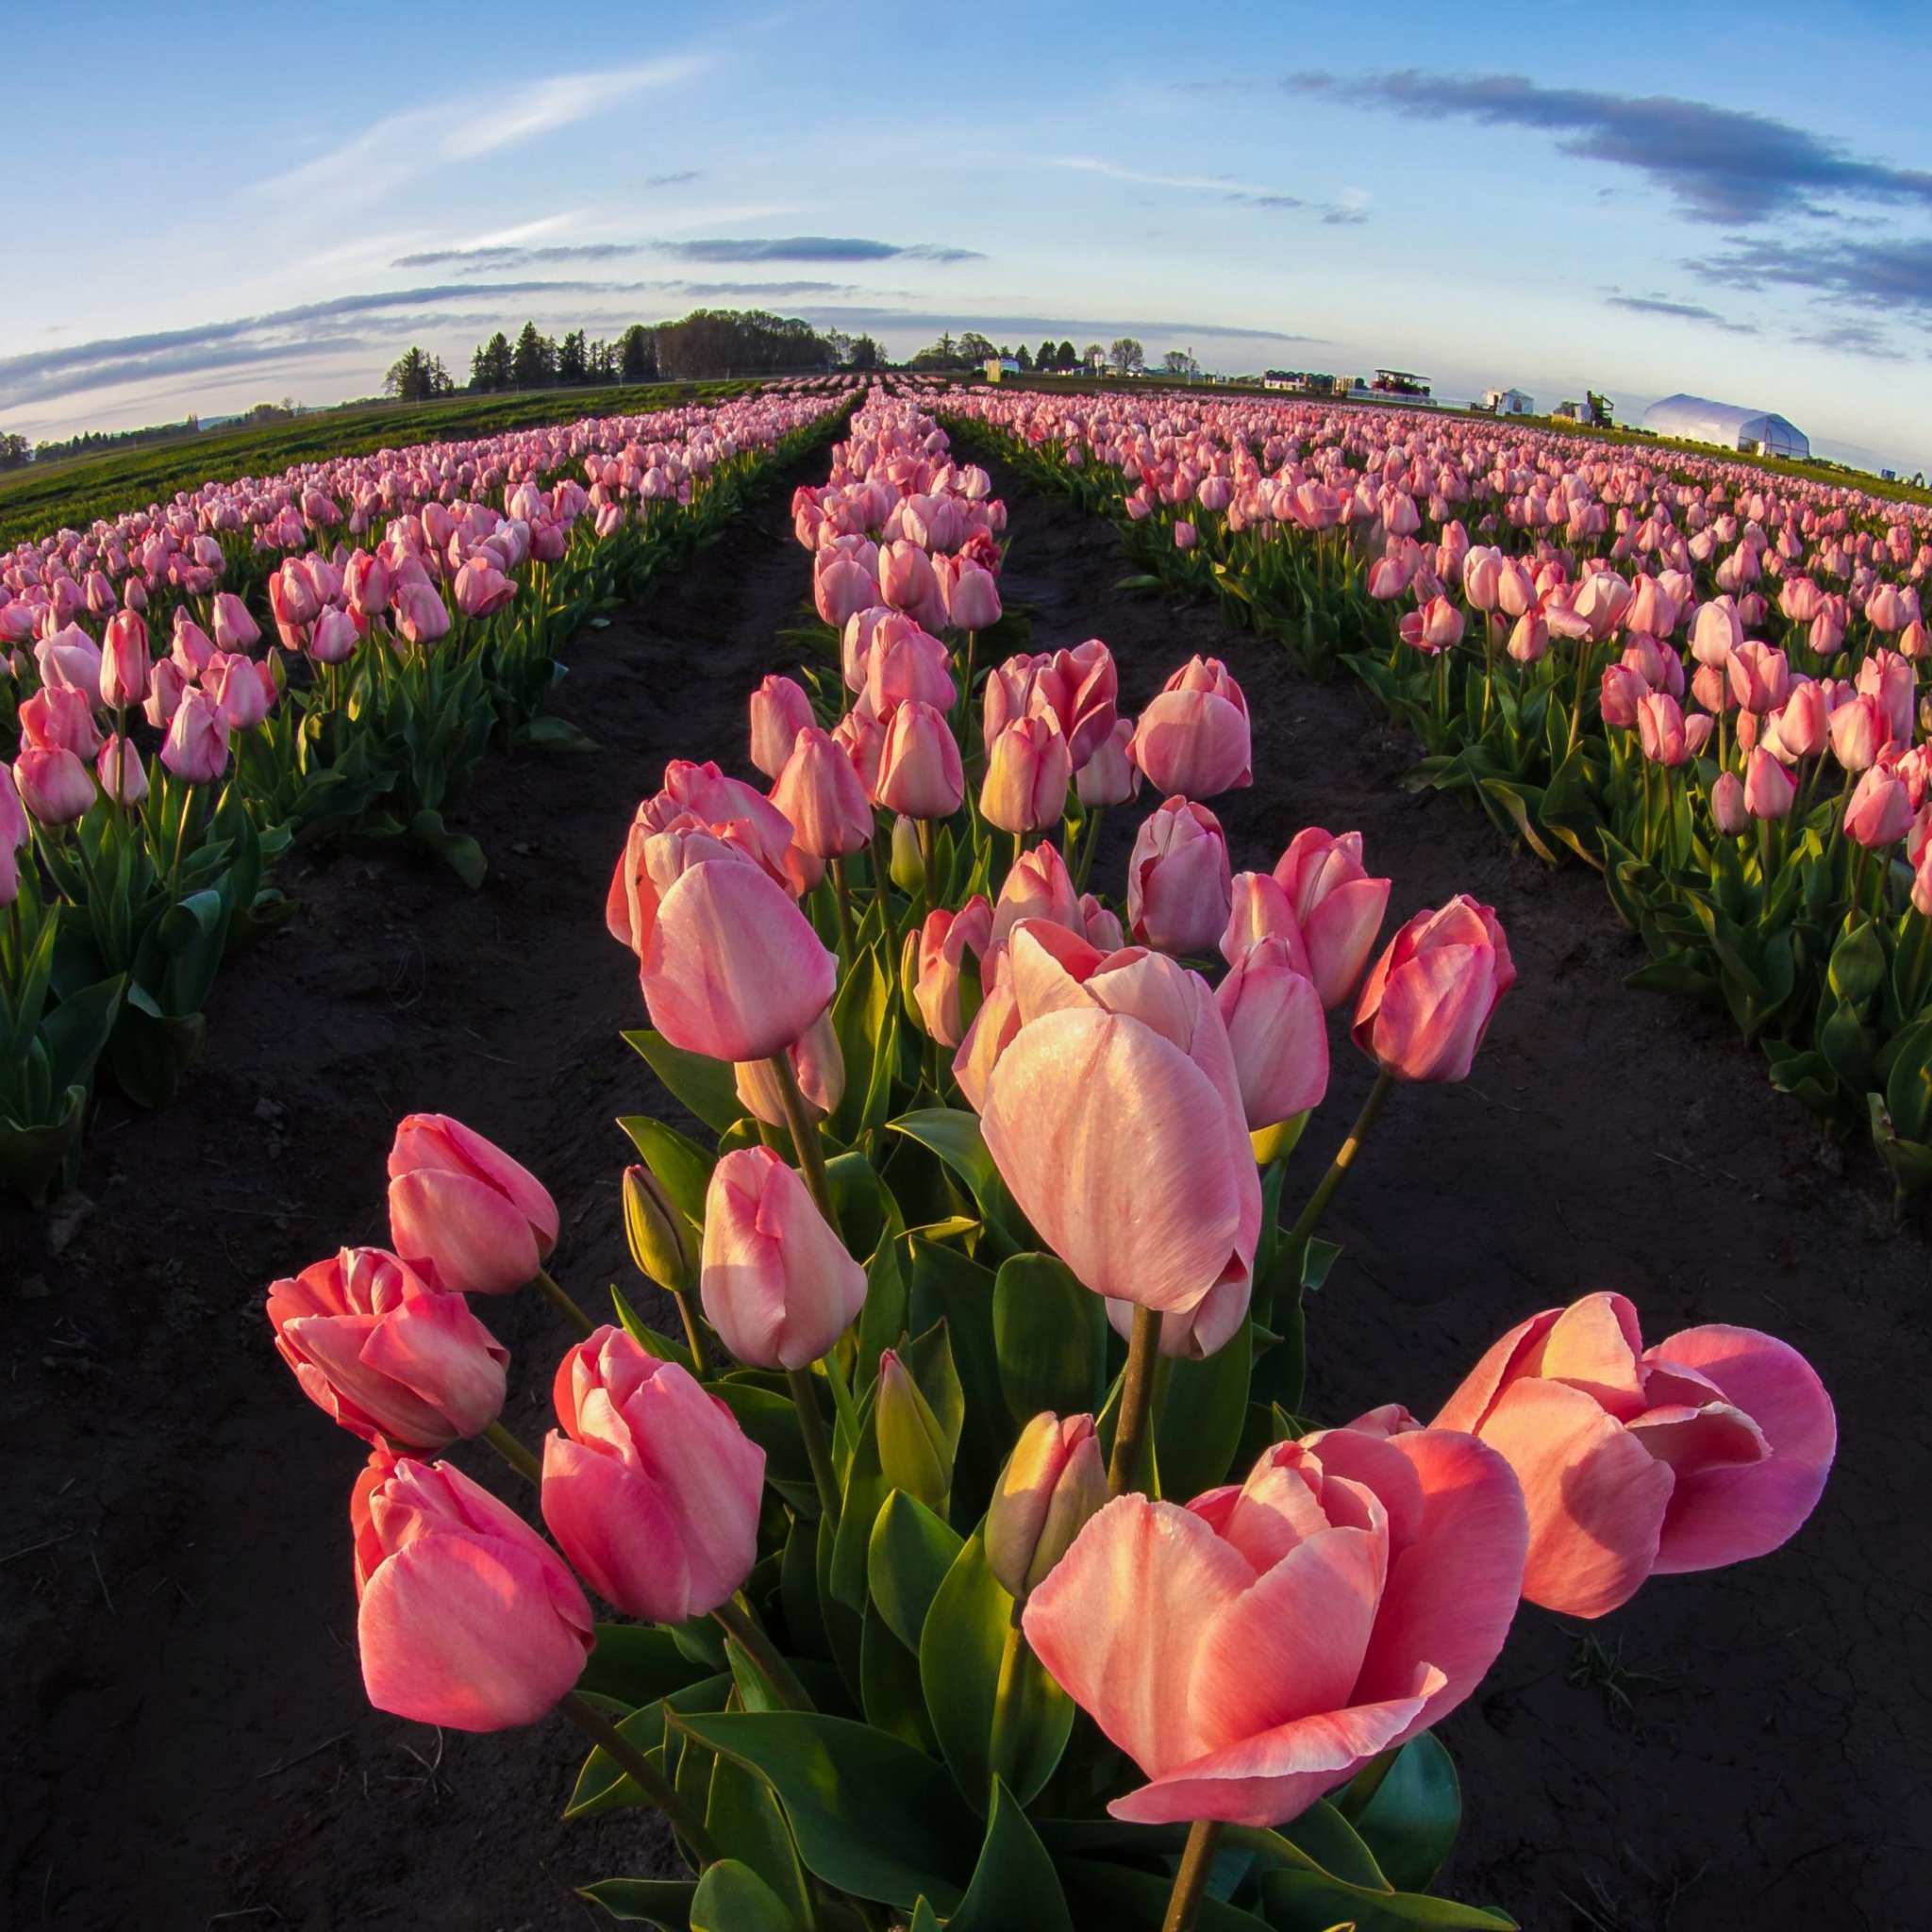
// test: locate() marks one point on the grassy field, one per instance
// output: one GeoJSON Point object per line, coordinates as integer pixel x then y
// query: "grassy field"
{"type": "Point", "coordinates": [1837, 475]}
{"type": "Point", "coordinates": [72, 494]}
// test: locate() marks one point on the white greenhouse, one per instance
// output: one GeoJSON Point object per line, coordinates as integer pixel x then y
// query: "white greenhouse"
{"type": "Point", "coordinates": [1756, 432]}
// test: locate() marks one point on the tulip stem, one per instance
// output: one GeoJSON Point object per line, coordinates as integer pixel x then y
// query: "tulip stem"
{"type": "Point", "coordinates": [639, 1769]}
{"type": "Point", "coordinates": [513, 1452]}
{"type": "Point", "coordinates": [1338, 1169]}
{"type": "Point", "coordinates": [1016, 1660]}
{"type": "Point", "coordinates": [735, 1619]}
{"type": "Point", "coordinates": [693, 1333]}
{"type": "Point", "coordinates": [1137, 1403]}
{"type": "Point", "coordinates": [842, 894]}
{"type": "Point", "coordinates": [1190, 1881]}
{"type": "Point", "coordinates": [805, 1144]}
{"type": "Point", "coordinates": [555, 1295]}
{"type": "Point", "coordinates": [929, 859]}
{"type": "Point", "coordinates": [818, 1451]}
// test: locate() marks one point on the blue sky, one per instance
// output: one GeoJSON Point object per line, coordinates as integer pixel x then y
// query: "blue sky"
{"type": "Point", "coordinates": [245, 205]}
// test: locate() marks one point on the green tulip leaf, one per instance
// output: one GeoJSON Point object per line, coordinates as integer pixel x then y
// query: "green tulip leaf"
{"type": "Point", "coordinates": [707, 1088]}
{"type": "Point", "coordinates": [1014, 1888]}
{"type": "Point", "coordinates": [1409, 1818]}
{"type": "Point", "coordinates": [681, 1164]}
{"type": "Point", "coordinates": [1201, 1414]}
{"type": "Point", "coordinates": [1050, 1334]}
{"type": "Point", "coordinates": [665, 1902]}
{"type": "Point", "coordinates": [636, 1664]}
{"type": "Point", "coordinates": [731, 1897]}
{"type": "Point", "coordinates": [872, 1816]}
{"type": "Point", "coordinates": [911, 1553]}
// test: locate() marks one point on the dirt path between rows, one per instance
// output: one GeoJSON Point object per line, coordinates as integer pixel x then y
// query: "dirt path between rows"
{"type": "Point", "coordinates": [186, 1742]}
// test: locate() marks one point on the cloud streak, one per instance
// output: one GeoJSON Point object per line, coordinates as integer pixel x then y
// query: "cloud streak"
{"type": "Point", "coordinates": [1351, 209]}
{"type": "Point", "coordinates": [811, 248]}
{"type": "Point", "coordinates": [1720, 164]}
{"type": "Point", "coordinates": [1681, 311]}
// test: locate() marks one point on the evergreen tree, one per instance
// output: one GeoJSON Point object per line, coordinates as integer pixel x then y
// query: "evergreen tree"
{"type": "Point", "coordinates": [1025, 358]}
{"type": "Point", "coordinates": [415, 377]}
{"type": "Point", "coordinates": [637, 353]}
{"type": "Point", "coordinates": [1048, 356]}
{"type": "Point", "coordinates": [574, 359]}
{"type": "Point", "coordinates": [533, 363]}
{"type": "Point", "coordinates": [1065, 358]}
{"type": "Point", "coordinates": [490, 367]}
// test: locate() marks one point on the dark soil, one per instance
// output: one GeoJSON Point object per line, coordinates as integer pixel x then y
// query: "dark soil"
{"type": "Point", "coordinates": [182, 1727]}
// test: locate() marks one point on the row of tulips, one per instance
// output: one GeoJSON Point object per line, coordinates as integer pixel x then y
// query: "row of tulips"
{"type": "Point", "coordinates": [1703, 680]}
{"type": "Point", "coordinates": [971, 1558]}
{"type": "Point", "coordinates": [237, 698]}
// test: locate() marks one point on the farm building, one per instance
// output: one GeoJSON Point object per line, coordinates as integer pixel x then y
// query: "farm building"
{"type": "Point", "coordinates": [1508, 402]}
{"type": "Point", "coordinates": [1697, 419]}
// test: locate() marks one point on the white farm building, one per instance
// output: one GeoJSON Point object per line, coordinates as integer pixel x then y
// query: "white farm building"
{"type": "Point", "coordinates": [1756, 432]}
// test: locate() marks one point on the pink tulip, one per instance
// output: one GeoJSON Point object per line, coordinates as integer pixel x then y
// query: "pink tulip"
{"type": "Point", "coordinates": [1180, 893]}
{"type": "Point", "coordinates": [1709, 1449]}
{"type": "Point", "coordinates": [1038, 886]}
{"type": "Point", "coordinates": [234, 630]}
{"type": "Point", "coordinates": [1728, 810]}
{"type": "Point", "coordinates": [1859, 731]}
{"type": "Point", "coordinates": [333, 637]}
{"type": "Point", "coordinates": [651, 1488]}
{"type": "Point", "coordinates": [421, 614]}
{"type": "Point", "coordinates": [292, 597]}
{"type": "Point", "coordinates": [121, 773]}
{"type": "Point", "coordinates": [1028, 767]}
{"type": "Point", "coordinates": [467, 1617]}
{"type": "Point", "coordinates": [1426, 1004]}
{"type": "Point", "coordinates": [818, 1064]}
{"type": "Point", "coordinates": [776, 1283]}
{"type": "Point", "coordinates": [1109, 776]}
{"type": "Point", "coordinates": [1253, 1650]}
{"type": "Point", "coordinates": [1804, 723]}
{"type": "Point", "coordinates": [1438, 625]}
{"type": "Point", "coordinates": [1262, 910]}
{"type": "Point", "coordinates": [1113, 1114]}
{"type": "Point", "coordinates": [728, 965]}
{"type": "Point", "coordinates": [1879, 812]}
{"type": "Point", "coordinates": [1276, 1028]}
{"type": "Point", "coordinates": [481, 590]}
{"type": "Point", "coordinates": [236, 691]}
{"type": "Point", "coordinates": [779, 711]}
{"type": "Point", "coordinates": [819, 792]}
{"type": "Point", "coordinates": [1768, 789]}
{"type": "Point", "coordinates": [58, 718]}
{"type": "Point", "coordinates": [904, 663]}
{"type": "Point", "coordinates": [367, 584]}
{"type": "Point", "coordinates": [905, 577]}
{"type": "Point", "coordinates": [920, 774]}
{"type": "Point", "coordinates": [945, 998]}
{"type": "Point", "coordinates": [841, 588]}
{"type": "Point", "coordinates": [54, 783]}
{"type": "Point", "coordinates": [1667, 737]}
{"type": "Point", "coordinates": [1078, 690]}
{"type": "Point", "coordinates": [125, 662]}
{"type": "Point", "coordinates": [1100, 926]}
{"type": "Point", "coordinates": [972, 597]}
{"type": "Point", "coordinates": [1193, 739]}
{"type": "Point", "coordinates": [381, 1351]}
{"type": "Point", "coordinates": [164, 689]}
{"type": "Point", "coordinates": [462, 1212]}
{"type": "Point", "coordinates": [1761, 677]}
{"type": "Point", "coordinates": [1621, 693]}
{"type": "Point", "coordinates": [1337, 908]}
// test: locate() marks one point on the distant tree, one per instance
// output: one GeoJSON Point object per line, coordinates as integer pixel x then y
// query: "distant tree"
{"type": "Point", "coordinates": [1125, 355]}
{"type": "Point", "coordinates": [1179, 362]}
{"type": "Point", "coordinates": [574, 359]}
{"type": "Point", "coordinates": [600, 361]}
{"type": "Point", "coordinates": [864, 354]}
{"type": "Point", "coordinates": [1044, 356]}
{"type": "Point", "coordinates": [973, 347]}
{"type": "Point", "coordinates": [415, 377]}
{"type": "Point", "coordinates": [1095, 356]}
{"type": "Point", "coordinates": [1064, 357]}
{"type": "Point", "coordinates": [16, 453]}
{"type": "Point", "coordinates": [725, 341]}
{"type": "Point", "coordinates": [637, 353]}
{"type": "Point", "coordinates": [490, 367]}
{"type": "Point", "coordinates": [533, 362]}
{"type": "Point", "coordinates": [1024, 358]}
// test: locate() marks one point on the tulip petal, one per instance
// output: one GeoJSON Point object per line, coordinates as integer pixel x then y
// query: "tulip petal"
{"type": "Point", "coordinates": [461, 1633]}
{"type": "Point", "coordinates": [1452, 1593]}
{"type": "Point", "coordinates": [460, 1232]}
{"type": "Point", "coordinates": [1594, 1345]}
{"type": "Point", "coordinates": [329, 1355]}
{"type": "Point", "coordinates": [617, 1529]}
{"type": "Point", "coordinates": [1476, 1396]}
{"type": "Point", "coordinates": [1728, 1515]}
{"type": "Point", "coordinates": [1156, 1218]}
{"type": "Point", "coordinates": [1272, 1779]}
{"type": "Point", "coordinates": [1596, 1496]}
{"type": "Point", "coordinates": [1292, 1647]}
{"type": "Point", "coordinates": [434, 1346]}
{"type": "Point", "coordinates": [697, 1451]}
{"type": "Point", "coordinates": [1117, 1622]}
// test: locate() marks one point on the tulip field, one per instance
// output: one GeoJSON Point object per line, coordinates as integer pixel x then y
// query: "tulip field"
{"type": "Point", "coordinates": [932, 1247]}
{"type": "Point", "coordinates": [1700, 679]}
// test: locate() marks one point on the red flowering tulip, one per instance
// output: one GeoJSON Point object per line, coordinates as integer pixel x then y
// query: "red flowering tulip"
{"type": "Point", "coordinates": [461, 1210]}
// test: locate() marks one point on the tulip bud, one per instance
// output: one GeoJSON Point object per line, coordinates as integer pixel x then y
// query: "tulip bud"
{"type": "Point", "coordinates": [907, 866]}
{"type": "Point", "coordinates": [660, 1236]}
{"type": "Point", "coordinates": [1052, 1482]}
{"type": "Point", "coordinates": [1727, 808]}
{"type": "Point", "coordinates": [914, 1452]}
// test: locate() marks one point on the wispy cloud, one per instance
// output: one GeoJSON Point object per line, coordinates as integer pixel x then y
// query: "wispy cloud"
{"type": "Point", "coordinates": [373, 161]}
{"type": "Point", "coordinates": [499, 257]}
{"type": "Point", "coordinates": [1721, 164]}
{"type": "Point", "coordinates": [812, 248]}
{"type": "Point", "coordinates": [1880, 272]}
{"type": "Point", "coordinates": [1349, 208]}
{"type": "Point", "coordinates": [1681, 311]}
